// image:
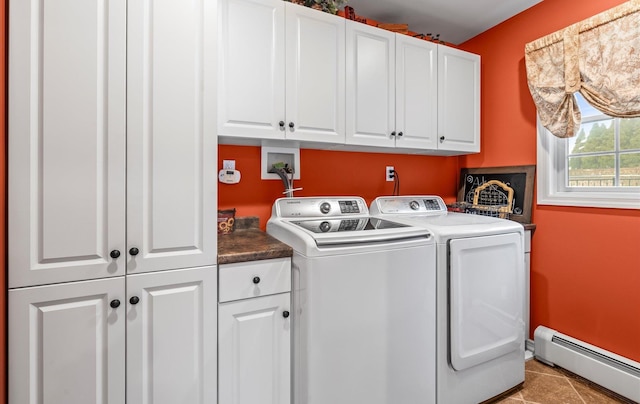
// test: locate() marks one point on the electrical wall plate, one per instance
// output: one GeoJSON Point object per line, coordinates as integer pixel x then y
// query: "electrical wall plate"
{"type": "Point", "coordinates": [229, 176]}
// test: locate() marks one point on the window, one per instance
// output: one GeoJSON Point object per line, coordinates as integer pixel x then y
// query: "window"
{"type": "Point", "coordinates": [600, 167]}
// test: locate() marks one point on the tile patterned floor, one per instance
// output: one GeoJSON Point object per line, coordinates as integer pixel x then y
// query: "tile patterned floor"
{"type": "Point", "coordinates": [548, 385]}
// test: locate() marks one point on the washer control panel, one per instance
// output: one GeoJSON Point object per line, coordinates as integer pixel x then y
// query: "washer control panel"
{"type": "Point", "coordinates": [320, 207]}
{"type": "Point", "coordinates": [349, 207]}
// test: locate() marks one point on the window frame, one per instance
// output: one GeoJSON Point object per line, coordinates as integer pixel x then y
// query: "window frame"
{"type": "Point", "coordinates": [551, 175]}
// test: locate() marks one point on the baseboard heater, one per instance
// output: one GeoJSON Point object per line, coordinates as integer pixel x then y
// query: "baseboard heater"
{"type": "Point", "coordinates": [614, 372]}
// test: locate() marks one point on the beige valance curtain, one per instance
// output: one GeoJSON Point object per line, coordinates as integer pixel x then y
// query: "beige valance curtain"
{"type": "Point", "coordinates": [599, 57]}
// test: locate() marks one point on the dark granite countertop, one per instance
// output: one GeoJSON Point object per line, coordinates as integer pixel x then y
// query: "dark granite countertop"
{"type": "Point", "coordinates": [248, 243]}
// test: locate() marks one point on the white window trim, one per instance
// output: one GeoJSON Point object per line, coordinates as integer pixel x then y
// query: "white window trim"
{"type": "Point", "coordinates": [551, 189]}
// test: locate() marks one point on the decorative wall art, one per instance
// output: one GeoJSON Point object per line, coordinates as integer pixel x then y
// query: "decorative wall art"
{"type": "Point", "coordinates": [518, 178]}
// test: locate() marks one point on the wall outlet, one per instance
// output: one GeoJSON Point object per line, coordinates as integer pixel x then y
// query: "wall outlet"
{"type": "Point", "coordinates": [389, 173]}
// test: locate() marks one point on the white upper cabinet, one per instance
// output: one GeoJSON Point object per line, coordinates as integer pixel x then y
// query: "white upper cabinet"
{"type": "Point", "coordinates": [458, 100]}
{"type": "Point", "coordinates": [108, 100]}
{"type": "Point", "coordinates": [171, 135]}
{"type": "Point", "coordinates": [281, 72]}
{"type": "Point", "coordinates": [416, 93]}
{"type": "Point", "coordinates": [315, 75]}
{"type": "Point", "coordinates": [66, 140]}
{"type": "Point", "coordinates": [251, 68]}
{"type": "Point", "coordinates": [391, 89]}
{"type": "Point", "coordinates": [371, 81]}
{"type": "Point", "coordinates": [289, 72]}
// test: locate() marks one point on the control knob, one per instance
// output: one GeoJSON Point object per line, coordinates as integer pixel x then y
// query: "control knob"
{"type": "Point", "coordinates": [325, 227]}
{"type": "Point", "coordinates": [325, 207]}
{"type": "Point", "coordinates": [414, 205]}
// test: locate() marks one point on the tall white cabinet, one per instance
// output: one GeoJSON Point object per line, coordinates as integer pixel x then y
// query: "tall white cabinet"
{"type": "Point", "coordinates": [112, 195]}
{"type": "Point", "coordinates": [67, 134]}
{"type": "Point", "coordinates": [281, 73]}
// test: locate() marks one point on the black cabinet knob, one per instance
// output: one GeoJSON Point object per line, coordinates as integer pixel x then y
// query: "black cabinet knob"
{"type": "Point", "coordinates": [285, 314]}
{"type": "Point", "coordinates": [441, 139]}
{"type": "Point", "coordinates": [134, 300]}
{"type": "Point", "coordinates": [114, 254]}
{"type": "Point", "coordinates": [133, 251]}
{"type": "Point", "coordinates": [115, 303]}
{"type": "Point", "coordinates": [256, 280]}
{"type": "Point", "coordinates": [393, 134]}
{"type": "Point", "coordinates": [291, 125]}
{"type": "Point", "coordinates": [281, 123]}
{"type": "Point", "coordinates": [400, 134]}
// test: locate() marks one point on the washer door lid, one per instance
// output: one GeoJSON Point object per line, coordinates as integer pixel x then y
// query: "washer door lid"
{"type": "Point", "coordinates": [486, 300]}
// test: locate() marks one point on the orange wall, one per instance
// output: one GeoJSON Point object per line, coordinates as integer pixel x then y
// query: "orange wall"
{"type": "Point", "coordinates": [585, 263]}
{"type": "Point", "coordinates": [334, 173]}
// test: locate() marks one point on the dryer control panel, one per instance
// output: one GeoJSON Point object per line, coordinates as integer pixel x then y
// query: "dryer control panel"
{"type": "Point", "coordinates": [408, 205]}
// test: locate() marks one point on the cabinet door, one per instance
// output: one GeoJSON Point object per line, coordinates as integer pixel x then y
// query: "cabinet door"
{"type": "Point", "coordinates": [171, 134]}
{"type": "Point", "coordinates": [171, 337]}
{"type": "Point", "coordinates": [458, 100]}
{"type": "Point", "coordinates": [370, 93]}
{"type": "Point", "coordinates": [416, 93]}
{"type": "Point", "coordinates": [66, 140]}
{"type": "Point", "coordinates": [315, 74]}
{"type": "Point", "coordinates": [254, 344]}
{"type": "Point", "coordinates": [251, 76]}
{"type": "Point", "coordinates": [67, 343]}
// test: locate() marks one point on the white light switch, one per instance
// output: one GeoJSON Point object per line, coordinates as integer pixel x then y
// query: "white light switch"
{"type": "Point", "coordinates": [228, 164]}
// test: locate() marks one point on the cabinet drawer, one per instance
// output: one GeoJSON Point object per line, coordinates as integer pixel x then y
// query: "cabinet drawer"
{"type": "Point", "coordinates": [255, 278]}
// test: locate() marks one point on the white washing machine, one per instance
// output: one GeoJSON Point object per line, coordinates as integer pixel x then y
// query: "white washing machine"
{"type": "Point", "coordinates": [480, 297]}
{"type": "Point", "coordinates": [364, 303]}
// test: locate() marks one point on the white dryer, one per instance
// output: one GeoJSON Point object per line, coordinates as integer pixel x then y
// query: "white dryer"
{"type": "Point", "coordinates": [480, 293]}
{"type": "Point", "coordinates": [359, 284]}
